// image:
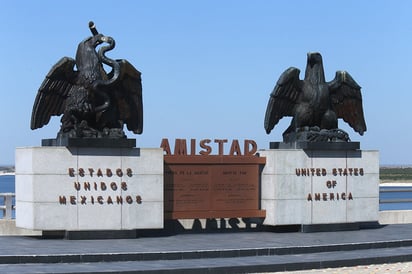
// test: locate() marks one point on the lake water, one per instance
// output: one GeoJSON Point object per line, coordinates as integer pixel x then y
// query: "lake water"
{"type": "Point", "coordinates": [397, 192]}
{"type": "Point", "coordinates": [6, 185]}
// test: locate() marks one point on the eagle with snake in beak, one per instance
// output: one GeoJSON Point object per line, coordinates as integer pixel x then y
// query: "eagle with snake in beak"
{"type": "Point", "coordinates": [93, 103]}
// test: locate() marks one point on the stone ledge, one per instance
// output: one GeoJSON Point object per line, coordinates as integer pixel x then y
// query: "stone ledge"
{"type": "Point", "coordinates": [316, 145]}
{"type": "Point", "coordinates": [8, 228]}
{"type": "Point", "coordinates": [90, 142]}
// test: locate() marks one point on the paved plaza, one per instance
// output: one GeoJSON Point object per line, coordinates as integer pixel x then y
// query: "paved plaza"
{"type": "Point", "coordinates": [363, 269]}
{"type": "Point", "coordinates": [380, 249]}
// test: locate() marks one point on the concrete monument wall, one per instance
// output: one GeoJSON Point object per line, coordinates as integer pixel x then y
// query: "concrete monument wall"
{"type": "Point", "coordinates": [59, 188]}
{"type": "Point", "coordinates": [320, 187]}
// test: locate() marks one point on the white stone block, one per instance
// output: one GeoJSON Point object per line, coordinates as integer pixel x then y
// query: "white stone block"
{"type": "Point", "coordinates": [44, 160]}
{"type": "Point", "coordinates": [320, 187]}
{"type": "Point", "coordinates": [366, 186]}
{"type": "Point", "coordinates": [147, 214]}
{"type": "Point", "coordinates": [289, 159]}
{"type": "Point", "coordinates": [363, 210]}
{"type": "Point", "coordinates": [99, 217]}
{"type": "Point", "coordinates": [151, 190]}
{"type": "Point", "coordinates": [149, 161]}
{"type": "Point", "coordinates": [280, 212]}
{"type": "Point", "coordinates": [89, 188]}
{"type": "Point", "coordinates": [328, 212]}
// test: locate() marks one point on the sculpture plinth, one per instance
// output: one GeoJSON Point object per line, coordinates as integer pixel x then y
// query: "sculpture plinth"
{"type": "Point", "coordinates": [320, 187]}
{"type": "Point", "coordinates": [91, 142]}
{"type": "Point", "coordinates": [316, 145]}
{"type": "Point", "coordinates": [86, 189]}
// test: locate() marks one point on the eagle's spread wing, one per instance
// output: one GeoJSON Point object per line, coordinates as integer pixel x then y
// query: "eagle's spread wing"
{"type": "Point", "coordinates": [346, 100]}
{"type": "Point", "coordinates": [283, 98]}
{"type": "Point", "coordinates": [51, 96]}
{"type": "Point", "coordinates": [128, 96]}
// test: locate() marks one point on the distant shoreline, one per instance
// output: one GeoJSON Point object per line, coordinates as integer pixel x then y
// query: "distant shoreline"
{"type": "Point", "coordinates": [395, 183]}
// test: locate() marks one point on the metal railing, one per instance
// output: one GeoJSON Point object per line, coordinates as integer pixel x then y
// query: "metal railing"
{"type": "Point", "coordinates": [396, 200]}
{"type": "Point", "coordinates": [8, 206]}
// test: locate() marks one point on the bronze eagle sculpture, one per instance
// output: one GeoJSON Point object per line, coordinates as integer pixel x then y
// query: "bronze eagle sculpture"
{"type": "Point", "coordinates": [314, 104]}
{"type": "Point", "coordinates": [94, 103]}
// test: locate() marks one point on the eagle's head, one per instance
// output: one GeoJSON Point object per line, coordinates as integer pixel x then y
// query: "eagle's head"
{"type": "Point", "coordinates": [314, 58]}
{"type": "Point", "coordinates": [314, 68]}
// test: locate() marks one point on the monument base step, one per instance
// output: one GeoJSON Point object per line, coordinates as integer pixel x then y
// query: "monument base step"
{"type": "Point", "coordinates": [90, 234]}
{"type": "Point", "coordinates": [338, 227]}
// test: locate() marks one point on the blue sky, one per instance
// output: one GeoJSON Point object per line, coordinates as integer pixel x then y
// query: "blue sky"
{"type": "Point", "coordinates": [208, 67]}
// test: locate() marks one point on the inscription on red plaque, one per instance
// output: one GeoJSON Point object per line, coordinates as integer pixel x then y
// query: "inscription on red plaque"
{"type": "Point", "coordinates": [212, 186]}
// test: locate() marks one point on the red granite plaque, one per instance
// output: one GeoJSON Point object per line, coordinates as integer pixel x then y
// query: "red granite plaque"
{"type": "Point", "coordinates": [212, 186]}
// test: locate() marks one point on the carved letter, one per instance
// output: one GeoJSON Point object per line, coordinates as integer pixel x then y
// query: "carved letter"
{"type": "Point", "coordinates": [192, 146]}
{"type": "Point", "coordinates": [77, 185]}
{"type": "Point", "coordinates": [62, 200]}
{"type": "Point", "coordinates": [124, 186]}
{"type": "Point", "coordinates": [73, 200]}
{"type": "Point", "coordinates": [113, 186]}
{"type": "Point", "coordinates": [328, 184]}
{"type": "Point", "coordinates": [252, 151]}
{"type": "Point", "coordinates": [129, 199]}
{"type": "Point", "coordinates": [180, 147]}
{"type": "Point", "coordinates": [361, 171]}
{"type": "Point", "coordinates": [86, 186]}
{"type": "Point", "coordinates": [81, 172]}
{"type": "Point", "coordinates": [109, 172]}
{"type": "Point", "coordinates": [207, 149]}
{"type": "Point", "coordinates": [234, 148]}
{"type": "Point", "coordinates": [313, 171]}
{"type": "Point", "coordinates": [165, 145]}
{"type": "Point", "coordinates": [91, 170]}
{"type": "Point", "coordinates": [129, 172]}
{"type": "Point", "coordinates": [138, 199]}
{"type": "Point", "coordinates": [220, 146]}
{"type": "Point", "coordinates": [71, 172]}
{"type": "Point", "coordinates": [99, 173]}
{"type": "Point", "coordinates": [119, 172]}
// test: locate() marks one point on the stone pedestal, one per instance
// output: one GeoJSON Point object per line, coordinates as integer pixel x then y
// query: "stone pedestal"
{"type": "Point", "coordinates": [311, 187]}
{"type": "Point", "coordinates": [76, 189]}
